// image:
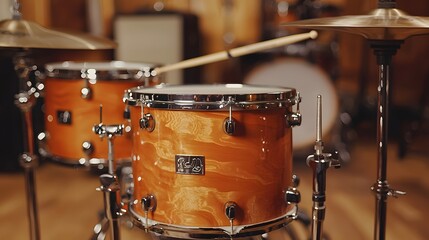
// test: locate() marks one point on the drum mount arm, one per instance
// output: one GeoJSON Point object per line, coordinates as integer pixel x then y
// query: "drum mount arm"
{"type": "Point", "coordinates": [320, 162]}
{"type": "Point", "coordinates": [109, 182]}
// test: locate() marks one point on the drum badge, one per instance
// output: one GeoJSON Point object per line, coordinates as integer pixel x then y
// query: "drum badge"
{"type": "Point", "coordinates": [190, 165]}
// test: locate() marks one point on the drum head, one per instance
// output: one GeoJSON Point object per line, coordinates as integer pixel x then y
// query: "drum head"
{"type": "Point", "coordinates": [309, 81]}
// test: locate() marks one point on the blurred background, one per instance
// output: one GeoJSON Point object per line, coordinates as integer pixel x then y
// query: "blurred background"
{"type": "Point", "coordinates": [340, 65]}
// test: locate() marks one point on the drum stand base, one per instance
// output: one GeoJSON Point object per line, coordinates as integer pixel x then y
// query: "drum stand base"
{"type": "Point", "coordinates": [100, 229]}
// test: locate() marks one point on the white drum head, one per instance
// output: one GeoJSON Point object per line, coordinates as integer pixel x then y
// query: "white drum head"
{"type": "Point", "coordinates": [310, 81]}
{"type": "Point", "coordinates": [99, 66]}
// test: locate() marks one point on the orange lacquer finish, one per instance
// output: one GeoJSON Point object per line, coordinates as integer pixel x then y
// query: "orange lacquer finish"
{"type": "Point", "coordinates": [64, 140]}
{"type": "Point", "coordinates": [252, 167]}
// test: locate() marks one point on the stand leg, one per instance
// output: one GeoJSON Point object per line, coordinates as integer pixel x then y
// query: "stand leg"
{"type": "Point", "coordinates": [109, 183]}
{"type": "Point", "coordinates": [110, 188]}
{"type": "Point", "coordinates": [28, 160]}
{"type": "Point", "coordinates": [320, 162]}
{"type": "Point", "coordinates": [384, 52]}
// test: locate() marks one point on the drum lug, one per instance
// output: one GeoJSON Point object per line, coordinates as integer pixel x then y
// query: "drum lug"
{"type": "Point", "coordinates": [292, 195]}
{"type": "Point", "coordinates": [229, 126]}
{"type": "Point", "coordinates": [87, 148]}
{"type": "Point", "coordinates": [230, 212]}
{"type": "Point", "coordinates": [86, 93]}
{"type": "Point", "coordinates": [147, 122]}
{"type": "Point", "coordinates": [293, 119]}
{"type": "Point", "coordinates": [229, 122]}
{"type": "Point", "coordinates": [148, 205]}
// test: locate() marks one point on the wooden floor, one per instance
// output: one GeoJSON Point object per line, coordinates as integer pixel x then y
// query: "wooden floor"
{"type": "Point", "coordinates": [69, 205]}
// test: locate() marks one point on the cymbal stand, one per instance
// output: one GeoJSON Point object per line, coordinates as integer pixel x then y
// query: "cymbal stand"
{"type": "Point", "coordinates": [109, 182]}
{"type": "Point", "coordinates": [25, 101]}
{"type": "Point", "coordinates": [384, 50]}
{"type": "Point", "coordinates": [319, 162]}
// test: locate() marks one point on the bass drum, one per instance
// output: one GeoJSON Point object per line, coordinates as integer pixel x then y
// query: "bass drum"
{"type": "Point", "coordinates": [310, 81]}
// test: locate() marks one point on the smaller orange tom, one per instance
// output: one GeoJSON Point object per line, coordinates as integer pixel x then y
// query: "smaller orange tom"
{"type": "Point", "coordinates": [73, 94]}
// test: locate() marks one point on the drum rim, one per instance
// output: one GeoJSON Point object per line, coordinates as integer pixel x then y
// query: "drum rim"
{"type": "Point", "coordinates": [284, 97]}
{"type": "Point", "coordinates": [82, 162]}
{"type": "Point", "coordinates": [191, 232]}
{"type": "Point", "coordinates": [114, 70]}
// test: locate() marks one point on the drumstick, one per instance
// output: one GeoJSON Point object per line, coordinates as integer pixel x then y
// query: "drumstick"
{"type": "Point", "coordinates": [236, 52]}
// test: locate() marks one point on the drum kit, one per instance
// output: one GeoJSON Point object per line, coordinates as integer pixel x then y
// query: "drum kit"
{"type": "Point", "coordinates": [187, 144]}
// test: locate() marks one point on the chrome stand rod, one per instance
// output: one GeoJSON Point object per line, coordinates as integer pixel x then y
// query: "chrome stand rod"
{"type": "Point", "coordinates": [24, 100]}
{"type": "Point", "coordinates": [109, 182]}
{"type": "Point", "coordinates": [320, 162]}
{"type": "Point", "coordinates": [384, 50]}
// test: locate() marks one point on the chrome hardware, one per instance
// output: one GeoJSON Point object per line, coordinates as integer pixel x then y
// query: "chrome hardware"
{"type": "Point", "coordinates": [230, 212]}
{"type": "Point", "coordinates": [184, 232]}
{"type": "Point", "coordinates": [112, 207]}
{"type": "Point", "coordinates": [292, 195]}
{"type": "Point", "coordinates": [294, 118]}
{"type": "Point", "coordinates": [86, 93]}
{"type": "Point", "coordinates": [384, 188]}
{"type": "Point", "coordinates": [147, 122]}
{"type": "Point", "coordinates": [229, 123]}
{"type": "Point", "coordinates": [297, 100]}
{"type": "Point", "coordinates": [108, 130]}
{"type": "Point", "coordinates": [127, 184]}
{"type": "Point", "coordinates": [109, 183]}
{"type": "Point", "coordinates": [164, 97]}
{"type": "Point", "coordinates": [87, 148]}
{"type": "Point", "coordinates": [229, 126]}
{"type": "Point", "coordinates": [320, 162]}
{"type": "Point", "coordinates": [396, 193]}
{"type": "Point", "coordinates": [148, 205]}
{"type": "Point", "coordinates": [127, 113]}
{"type": "Point", "coordinates": [28, 160]}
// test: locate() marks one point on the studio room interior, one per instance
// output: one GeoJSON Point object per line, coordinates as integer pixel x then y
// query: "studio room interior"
{"type": "Point", "coordinates": [214, 119]}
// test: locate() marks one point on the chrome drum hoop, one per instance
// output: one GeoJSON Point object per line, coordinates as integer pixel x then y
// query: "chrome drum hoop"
{"type": "Point", "coordinates": [187, 232]}
{"type": "Point", "coordinates": [113, 70]}
{"type": "Point", "coordinates": [78, 163]}
{"type": "Point", "coordinates": [157, 97]}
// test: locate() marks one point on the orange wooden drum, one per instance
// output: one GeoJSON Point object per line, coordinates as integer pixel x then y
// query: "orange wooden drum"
{"type": "Point", "coordinates": [73, 94]}
{"type": "Point", "coordinates": [211, 160]}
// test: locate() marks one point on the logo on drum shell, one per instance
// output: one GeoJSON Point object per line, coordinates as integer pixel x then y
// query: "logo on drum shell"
{"type": "Point", "coordinates": [190, 165]}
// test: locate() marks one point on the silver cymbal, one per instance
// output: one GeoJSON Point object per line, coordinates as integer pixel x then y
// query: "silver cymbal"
{"type": "Point", "coordinates": [17, 33]}
{"type": "Point", "coordinates": [380, 24]}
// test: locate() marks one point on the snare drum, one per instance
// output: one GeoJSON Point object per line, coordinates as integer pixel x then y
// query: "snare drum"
{"type": "Point", "coordinates": [73, 94]}
{"type": "Point", "coordinates": [311, 81]}
{"type": "Point", "coordinates": [202, 151]}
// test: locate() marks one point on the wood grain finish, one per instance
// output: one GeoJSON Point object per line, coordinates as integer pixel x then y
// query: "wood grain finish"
{"type": "Point", "coordinates": [251, 168]}
{"type": "Point", "coordinates": [65, 140]}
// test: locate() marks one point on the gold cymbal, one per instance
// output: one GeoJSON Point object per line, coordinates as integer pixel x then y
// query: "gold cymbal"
{"type": "Point", "coordinates": [380, 24]}
{"type": "Point", "coordinates": [17, 33]}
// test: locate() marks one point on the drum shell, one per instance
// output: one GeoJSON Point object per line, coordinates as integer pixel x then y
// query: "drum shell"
{"type": "Point", "coordinates": [64, 141]}
{"type": "Point", "coordinates": [252, 167]}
